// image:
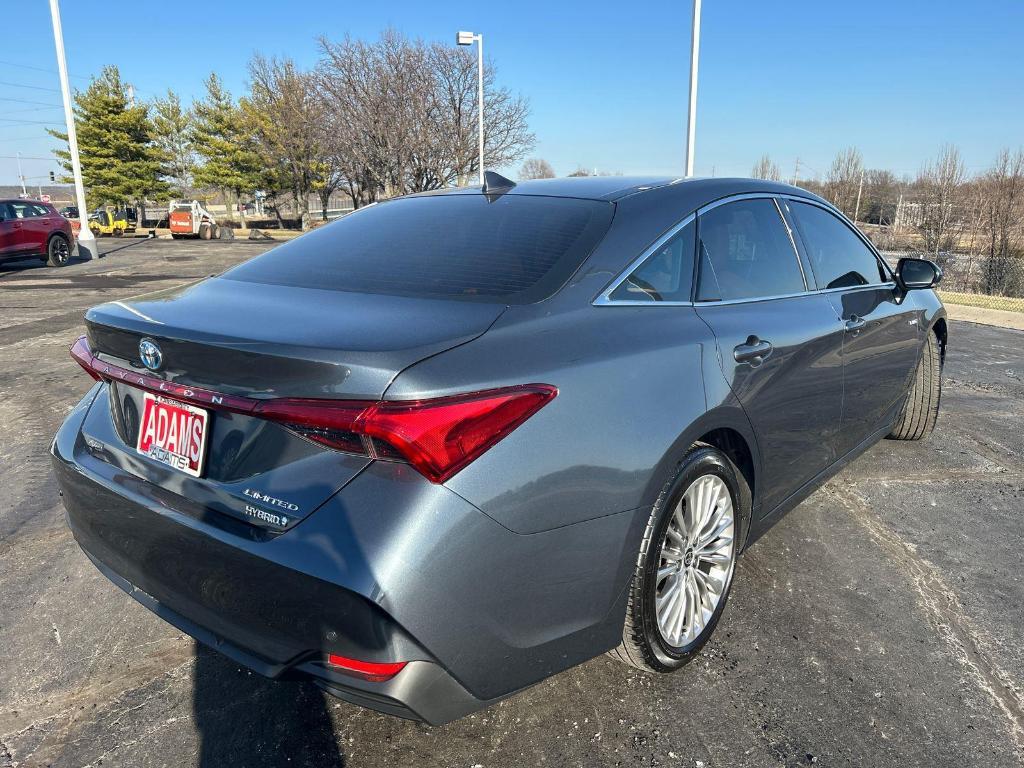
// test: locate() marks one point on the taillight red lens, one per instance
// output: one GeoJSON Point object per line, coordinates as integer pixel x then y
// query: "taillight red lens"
{"type": "Point", "coordinates": [375, 672]}
{"type": "Point", "coordinates": [438, 437]}
{"type": "Point", "coordinates": [80, 352]}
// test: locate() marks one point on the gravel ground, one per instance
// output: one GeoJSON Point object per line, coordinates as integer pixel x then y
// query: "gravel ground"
{"type": "Point", "coordinates": [880, 623]}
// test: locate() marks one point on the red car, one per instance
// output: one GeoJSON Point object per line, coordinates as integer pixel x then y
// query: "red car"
{"type": "Point", "coordinates": [31, 228]}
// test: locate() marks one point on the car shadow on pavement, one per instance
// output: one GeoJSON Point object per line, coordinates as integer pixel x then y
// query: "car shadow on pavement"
{"type": "Point", "coordinates": [245, 719]}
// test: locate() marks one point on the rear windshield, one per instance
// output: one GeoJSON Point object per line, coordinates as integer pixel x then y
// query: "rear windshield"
{"type": "Point", "coordinates": [515, 249]}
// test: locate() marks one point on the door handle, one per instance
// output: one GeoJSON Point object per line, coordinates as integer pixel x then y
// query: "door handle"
{"type": "Point", "coordinates": [855, 323]}
{"type": "Point", "coordinates": [752, 351]}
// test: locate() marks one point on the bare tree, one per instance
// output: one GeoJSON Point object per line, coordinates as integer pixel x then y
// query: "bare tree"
{"type": "Point", "coordinates": [287, 115]}
{"type": "Point", "coordinates": [536, 168]}
{"type": "Point", "coordinates": [766, 169]}
{"type": "Point", "coordinates": [938, 190]}
{"type": "Point", "coordinates": [402, 115]}
{"type": "Point", "coordinates": [1003, 213]}
{"type": "Point", "coordinates": [843, 180]}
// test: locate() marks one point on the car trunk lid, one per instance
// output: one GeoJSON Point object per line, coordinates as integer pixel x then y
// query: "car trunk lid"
{"type": "Point", "coordinates": [253, 342]}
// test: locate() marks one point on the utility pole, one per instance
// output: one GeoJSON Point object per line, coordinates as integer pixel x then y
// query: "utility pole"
{"type": "Point", "coordinates": [131, 96]}
{"type": "Point", "coordinates": [691, 116]}
{"type": "Point", "coordinates": [796, 172]}
{"type": "Point", "coordinates": [86, 240]}
{"type": "Point", "coordinates": [860, 188]}
{"type": "Point", "coordinates": [21, 176]}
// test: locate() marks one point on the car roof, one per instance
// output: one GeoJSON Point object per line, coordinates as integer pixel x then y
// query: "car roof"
{"type": "Point", "coordinates": [651, 188]}
{"type": "Point", "coordinates": [22, 200]}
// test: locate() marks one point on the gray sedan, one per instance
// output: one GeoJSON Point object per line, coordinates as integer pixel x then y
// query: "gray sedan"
{"type": "Point", "coordinates": [454, 443]}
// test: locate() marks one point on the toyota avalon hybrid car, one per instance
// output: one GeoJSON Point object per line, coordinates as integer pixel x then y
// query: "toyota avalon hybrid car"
{"type": "Point", "coordinates": [454, 443]}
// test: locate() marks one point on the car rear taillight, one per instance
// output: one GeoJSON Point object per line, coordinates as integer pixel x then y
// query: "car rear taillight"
{"type": "Point", "coordinates": [375, 672]}
{"type": "Point", "coordinates": [438, 436]}
{"type": "Point", "coordinates": [81, 354]}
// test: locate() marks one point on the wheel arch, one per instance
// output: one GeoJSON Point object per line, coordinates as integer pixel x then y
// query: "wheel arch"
{"type": "Point", "coordinates": [941, 331]}
{"type": "Point", "coordinates": [727, 429]}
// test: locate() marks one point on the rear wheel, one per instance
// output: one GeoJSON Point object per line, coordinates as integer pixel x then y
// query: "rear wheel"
{"type": "Point", "coordinates": [921, 409]}
{"type": "Point", "coordinates": [205, 231]}
{"type": "Point", "coordinates": [58, 251]}
{"type": "Point", "coordinates": [686, 564]}
{"type": "Point", "coordinates": [118, 231]}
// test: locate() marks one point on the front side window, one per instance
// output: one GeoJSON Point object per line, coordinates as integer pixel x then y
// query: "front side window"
{"type": "Point", "coordinates": [666, 275]}
{"type": "Point", "coordinates": [838, 257]}
{"type": "Point", "coordinates": [745, 252]}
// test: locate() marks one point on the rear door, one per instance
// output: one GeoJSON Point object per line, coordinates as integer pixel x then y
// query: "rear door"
{"type": "Point", "coordinates": [779, 341]}
{"type": "Point", "coordinates": [33, 229]}
{"type": "Point", "coordinates": [882, 336]}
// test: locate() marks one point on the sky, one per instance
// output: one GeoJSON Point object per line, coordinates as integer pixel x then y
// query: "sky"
{"type": "Point", "coordinates": [607, 81]}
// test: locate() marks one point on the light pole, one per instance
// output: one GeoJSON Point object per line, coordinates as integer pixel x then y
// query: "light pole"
{"type": "Point", "coordinates": [86, 240]}
{"type": "Point", "coordinates": [691, 116]}
{"type": "Point", "coordinates": [468, 38]}
{"type": "Point", "coordinates": [21, 176]}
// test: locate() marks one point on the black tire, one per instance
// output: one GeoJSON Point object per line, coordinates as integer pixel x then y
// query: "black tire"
{"type": "Point", "coordinates": [642, 644]}
{"type": "Point", "coordinates": [921, 409]}
{"type": "Point", "coordinates": [205, 231]}
{"type": "Point", "coordinates": [58, 251]}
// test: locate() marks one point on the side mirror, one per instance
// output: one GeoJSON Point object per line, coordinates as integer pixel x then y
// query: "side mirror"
{"type": "Point", "coordinates": [914, 274]}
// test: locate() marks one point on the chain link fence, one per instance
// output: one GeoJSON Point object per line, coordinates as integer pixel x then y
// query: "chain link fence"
{"type": "Point", "coordinates": [977, 280]}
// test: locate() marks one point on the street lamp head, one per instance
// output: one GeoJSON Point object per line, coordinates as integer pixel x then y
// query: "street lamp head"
{"type": "Point", "coordinates": [465, 38]}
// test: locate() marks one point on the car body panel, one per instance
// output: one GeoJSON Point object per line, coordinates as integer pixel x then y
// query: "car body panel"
{"type": "Point", "coordinates": [249, 338]}
{"type": "Point", "coordinates": [794, 398]}
{"type": "Point", "coordinates": [878, 358]}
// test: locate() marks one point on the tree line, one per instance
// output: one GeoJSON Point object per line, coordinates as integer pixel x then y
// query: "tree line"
{"type": "Point", "coordinates": [371, 120]}
{"type": "Point", "coordinates": [943, 207]}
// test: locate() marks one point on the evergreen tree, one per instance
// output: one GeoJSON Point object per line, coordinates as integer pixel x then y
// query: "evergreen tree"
{"type": "Point", "coordinates": [120, 162]}
{"type": "Point", "coordinates": [223, 139]}
{"type": "Point", "coordinates": [172, 130]}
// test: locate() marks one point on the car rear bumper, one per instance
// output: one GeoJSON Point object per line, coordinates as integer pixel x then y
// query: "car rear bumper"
{"type": "Point", "coordinates": [390, 568]}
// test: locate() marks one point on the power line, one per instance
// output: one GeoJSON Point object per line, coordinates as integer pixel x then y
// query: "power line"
{"type": "Point", "coordinates": [23, 157]}
{"type": "Point", "coordinates": [33, 87]}
{"type": "Point", "coordinates": [31, 109]}
{"type": "Point", "coordinates": [28, 122]}
{"type": "Point", "coordinates": [39, 69]}
{"type": "Point", "coordinates": [29, 101]}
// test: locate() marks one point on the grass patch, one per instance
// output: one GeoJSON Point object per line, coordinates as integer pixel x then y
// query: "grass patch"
{"type": "Point", "coordinates": [1006, 303]}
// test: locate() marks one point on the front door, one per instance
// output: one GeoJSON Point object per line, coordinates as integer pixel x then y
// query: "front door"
{"type": "Point", "coordinates": [882, 335]}
{"type": "Point", "coordinates": [779, 343]}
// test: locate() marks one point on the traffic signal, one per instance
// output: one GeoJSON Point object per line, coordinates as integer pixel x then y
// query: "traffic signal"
{"type": "Point", "coordinates": [52, 178]}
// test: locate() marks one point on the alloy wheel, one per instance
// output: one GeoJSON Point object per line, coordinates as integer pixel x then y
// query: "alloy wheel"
{"type": "Point", "coordinates": [60, 251]}
{"type": "Point", "coordinates": [696, 560]}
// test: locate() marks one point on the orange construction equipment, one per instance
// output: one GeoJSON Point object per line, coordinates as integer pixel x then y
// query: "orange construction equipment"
{"type": "Point", "coordinates": [190, 219]}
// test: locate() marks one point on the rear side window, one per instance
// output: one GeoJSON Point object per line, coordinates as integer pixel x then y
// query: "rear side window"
{"type": "Point", "coordinates": [745, 252]}
{"type": "Point", "coordinates": [666, 275]}
{"type": "Point", "coordinates": [515, 249]}
{"type": "Point", "coordinates": [838, 257]}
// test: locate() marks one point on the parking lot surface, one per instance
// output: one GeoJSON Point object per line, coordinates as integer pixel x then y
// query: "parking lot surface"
{"type": "Point", "coordinates": [880, 623]}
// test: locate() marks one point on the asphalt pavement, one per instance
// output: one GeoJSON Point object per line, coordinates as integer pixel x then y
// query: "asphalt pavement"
{"type": "Point", "coordinates": [881, 623]}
